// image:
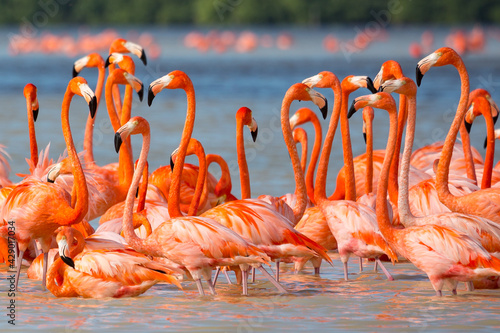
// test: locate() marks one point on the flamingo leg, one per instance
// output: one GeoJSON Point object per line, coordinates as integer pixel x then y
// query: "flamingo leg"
{"type": "Point", "coordinates": [253, 274]}
{"type": "Point", "coordinates": [200, 287]}
{"type": "Point", "coordinates": [273, 281]}
{"type": "Point", "coordinates": [360, 264]}
{"type": "Point", "coordinates": [454, 292]}
{"type": "Point", "coordinates": [346, 273]}
{"type": "Point", "coordinates": [470, 286]}
{"type": "Point", "coordinates": [44, 274]}
{"type": "Point", "coordinates": [278, 270]}
{"type": "Point", "coordinates": [211, 287]}
{"type": "Point", "coordinates": [316, 270]}
{"type": "Point", "coordinates": [227, 277]}
{"type": "Point", "coordinates": [389, 276]}
{"type": "Point", "coordinates": [217, 271]}
{"type": "Point", "coordinates": [38, 250]}
{"type": "Point", "coordinates": [18, 270]}
{"type": "Point", "coordinates": [245, 282]}
{"type": "Point", "coordinates": [375, 267]}
{"type": "Point", "coordinates": [439, 293]}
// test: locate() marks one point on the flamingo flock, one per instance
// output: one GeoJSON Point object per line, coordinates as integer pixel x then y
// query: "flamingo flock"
{"type": "Point", "coordinates": [438, 207]}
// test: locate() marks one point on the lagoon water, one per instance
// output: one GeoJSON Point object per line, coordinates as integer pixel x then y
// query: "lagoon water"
{"type": "Point", "coordinates": [223, 83]}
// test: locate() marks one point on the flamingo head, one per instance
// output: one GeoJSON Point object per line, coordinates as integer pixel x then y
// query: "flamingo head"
{"type": "Point", "coordinates": [173, 80]}
{"type": "Point", "coordinates": [302, 116]}
{"type": "Point", "coordinates": [299, 134]}
{"type": "Point", "coordinates": [479, 106]}
{"type": "Point", "coordinates": [121, 45]}
{"type": "Point", "coordinates": [121, 76]}
{"type": "Point", "coordinates": [302, 92]}
{"type": "Point", "coordinates": [441, 57]}
{"type": "Point", "coordinates": [244, 117]}
{"type": "Point", "coordinates": [136, 125]}
{"type": "Point", "coordinates": [31, 96]}
{"type": "Point", "coordinates": [64, 238]}
{"type": "Point", "coordinates": [389, 70]}
{"type": "Point", "coordinates": [91, 60]}
{"type": "Point", "coordinates": [78, 85]}
{"type": "Point", "coordinates": [124, 61]}
{"type": "Point", "coordinates": [194, 147]}
{"type": "Point", "coordinates": [404, 86]}
{"type": "Point", "coordinates": [485, 93]}
{"type": "Point", "coordinates": [352, 83]}
{"type": "Point", "coordinates": [380, 100]}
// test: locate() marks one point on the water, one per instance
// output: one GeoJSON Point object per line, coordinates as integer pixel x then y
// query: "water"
{"type": "Point", "coordinates": [223, 83]}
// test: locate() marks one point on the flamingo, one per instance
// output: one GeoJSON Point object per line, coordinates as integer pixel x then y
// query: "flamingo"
{"type": "Point", "coordinates": [258, 220]}
{"type": "Point", "coordinates": [486, 202]}
{"type": "Point", "coordinates": [352, 224]}
{"type": "Point", "coordinates": [445, 255]}
{"type": "Point", "coordinates": [302, 116]}
{"type": "Point", "coordinates": [481, 229]}
{"type": "Point", "coordinates": [224, 185]}
{"type": "Point", "coordinates": [197, 243]}
{"type": "Point", "coordinates": [34, 209]}
{"type": "Point", "coordinates": [110, 272]}
{"type": "Point", "coordinates": [481, 106]}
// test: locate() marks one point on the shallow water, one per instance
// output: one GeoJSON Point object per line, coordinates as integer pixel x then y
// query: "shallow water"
{"type": "Point", "coordinates": [223, 83]}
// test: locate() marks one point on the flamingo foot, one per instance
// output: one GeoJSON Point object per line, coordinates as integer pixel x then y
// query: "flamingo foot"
{"type": "Point", "coordinates": [200, 287]}
{"type": "Point", "coordinates": [316, 270]}
{"type": "Point", "coordinates": [386, 272]}
{"type": "Point", "coordinates": [439, 293]}
{"type": "Point", "coordinates": [454, 292]}
{"type": "Point", "coordinates": [273, 281]}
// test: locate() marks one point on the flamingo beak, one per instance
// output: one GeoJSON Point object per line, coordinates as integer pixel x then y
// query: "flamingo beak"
{"type": "Point", "coordinates": [364, 137]}
{"type": "Point", "coordinates": [485, 142]}
{"type": "Point", "coordinates": [75, 73]}
{"type": "Point", "coordinates": [172, 165]}
{"type": "Point", "coordinates": [54, 173]}
{"type": "Point", "coordinates": [254, 129]}
{"type": "Point", "coordinates": [141, 92]}
{"type": "Point", "coordinates": [151, 96]}
{"type": "Point", "coordinates": [118, 141]}
{"type": "Point", "coordinates": [370, 86]}
{"type": "Point", "coordinates": [254, 134]}
{"type": "Point", "coordinates": [352, 109]}
{"type": "Point", "coordinates": [468, 126]}
{"type": "Point", "coordinates": [63, 249]}
{"type": "Point", "coordinates": [108, 62]}
{"type": "Point", "coordinates": [137, 50]}
{"type": "Point", "coordinates": [419, 75]}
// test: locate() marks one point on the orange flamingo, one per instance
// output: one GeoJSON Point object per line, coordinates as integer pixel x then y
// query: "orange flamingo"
{"type": "Point", "coordinates": [482, 230]}
{"type": "Point", "coordinates": [256, 219]}
{"type": "Point", "coordinates": [35, 208]}
{"type": "Point", "coordinates": [352, 224]}
{"type": "Point", "coordinates": [445, 255]}
{"type": "Point", "coordinates": [486, 202]}
{"type": "Point", "coordinates": [224, 185]}
{"type": "Point", "coordinates": [197, 243]}
{"type": "Point", "coordinates": [302, 116]}
{"type": "Point", "coordinates": [110, 272]}
{"type": "Point", "coordinates": [481, 106]}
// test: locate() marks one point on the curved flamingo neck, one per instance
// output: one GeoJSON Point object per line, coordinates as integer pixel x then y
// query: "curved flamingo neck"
{"type": "Point", "coordinates": [80, 243]}
{"type": "Point", "coordinates": [56, 273]}
{"type": "Point", "coordinates": [444, 162]}
{"type": "Point", "coordinates": [369, 156]}
{"type": "Point", "coordinates": [318, 136]}
{"type": "Point", "coordinates": [143, 189]}
{"type": "Point", "coordinates": [174, 209]}
{"type": "Point", "coordinates": [128, 212]}
{"type": "Point", "coordinates": [224, 184]}
{"type": "Point", "coordinates": [242, 161]}
{"type": "Point", "coordinates": [88, 145]}
{"type": "Point", "coordinates": [32, 134]}
{"type": "Point", "coordinates": [117, 100]}
{"type": "Point", "coordinates": [321, 175]}
{"type": "Point", "coordinates": [300, 185]}
{"type": "Point", "coordinates": [302, 140]}
{"type": "Point", "coordinates": [75, 215]}
{"type": "Point", "coordinates": [490, 149]}
{"type": "Point", "coordinates": [125, 158]}
{"type": "Point", "coordinates": [469, 159]}
{"type": "Point", "coordinates": [350, 183]}
{"type": "Point", "coordinates": [393, 175]}
{"type": "Point", "coordinates": [200, 195]}
{"type": "Point", "coordinates": [382, 210]}
{"type": "Point", "coordinates": [405, 214]}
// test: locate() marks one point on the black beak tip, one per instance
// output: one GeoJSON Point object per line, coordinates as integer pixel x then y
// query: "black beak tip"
{"type": "Point", "coordinates": [68, 261]}
{"type": "Point", "coordinates": [364, 137]}
{"type": "Point", "coordinates": [137, 193]}
{"type": "Point", "coordinates": [75, 73]}
{"type": "Point", "coordinates": [118, 141]}
{"type": "Point", "coordinates": [106, 64]}
{"type": "Point", "coordinates": [467, 126]}
{"type": "Point", "coordinates": [151, 96]}
{"type": "Point", "coordinates": [485, 143]}
{"type": "Point", "coordinates": [141, 93]}
{"type": "Point", "coordinates": [254, 134]}
{"type": "Point", "coordinates": [324, 110]}
{"type": "Point", "coordinates": [172, 164]}
{"type": "Point", "coordinates": [93, 106]}
{"type": "Point", "coordinates": [143, 58]}
{"type": "Point", "coordinates": [370, 86]}
{"type": "Point", "coordinates": [419, 76]}
{"type": "Point", "coordinates": [49, 180]}
{"type": "Point", "coordinates": [352, 110]}
{"type": "Point", "coordinates": [35, 114]}
{"type": "Point", "coordinates": [495, 118]}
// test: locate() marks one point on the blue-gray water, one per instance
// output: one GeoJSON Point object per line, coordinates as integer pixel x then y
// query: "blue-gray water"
{"type": "Point", "coordinates": [223, 83]}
